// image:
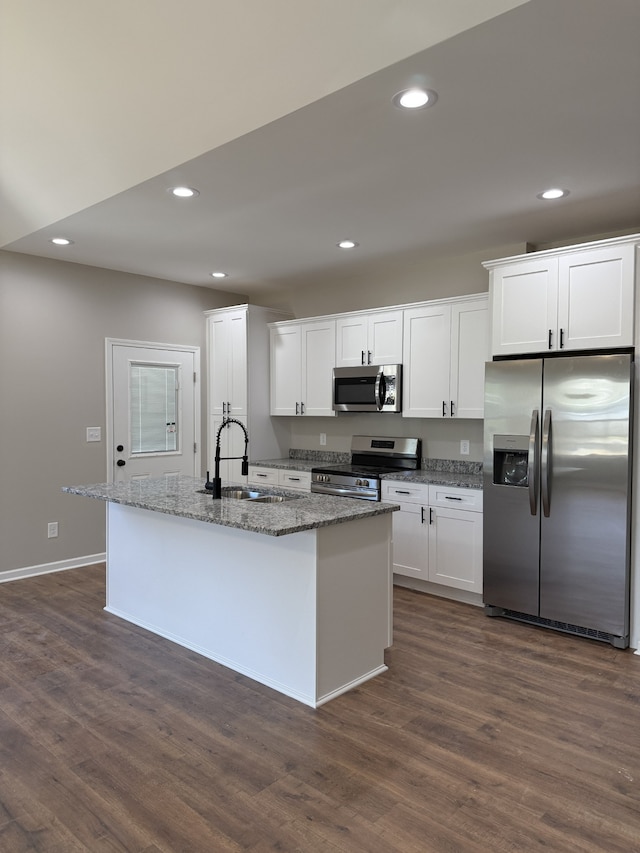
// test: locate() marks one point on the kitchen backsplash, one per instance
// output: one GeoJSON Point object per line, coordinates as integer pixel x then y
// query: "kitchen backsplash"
{"type": "Point", "coordinates": [330, 457]}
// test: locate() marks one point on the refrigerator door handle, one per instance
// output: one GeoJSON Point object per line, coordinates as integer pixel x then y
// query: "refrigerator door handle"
{"type": "Point", "coordinates": [532, 461]}
{"type": "Point", "coordinates": [545, 464]}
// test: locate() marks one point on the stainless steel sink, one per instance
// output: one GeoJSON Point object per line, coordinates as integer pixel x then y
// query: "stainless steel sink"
{"type": "Point", "coordinates": [250, 495]}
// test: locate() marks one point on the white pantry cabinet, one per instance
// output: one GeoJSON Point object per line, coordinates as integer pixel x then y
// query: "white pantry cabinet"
{"type": "Point", "coordinates": [437, 534]}
{"type": "Point", "coordinates": [302, 362]}
{"type": "Point", "coordinates": [574, 298]}
{"type": "Point", "coordinates": [446, 344]}
{"type": "Point", "coordinates": [238, 385]}
{"type": "Point", "coordinates": [373, 337]}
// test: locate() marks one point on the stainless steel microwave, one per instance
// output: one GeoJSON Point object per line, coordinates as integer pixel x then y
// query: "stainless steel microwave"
{"type": "Point", "coordinates": [371, 388]}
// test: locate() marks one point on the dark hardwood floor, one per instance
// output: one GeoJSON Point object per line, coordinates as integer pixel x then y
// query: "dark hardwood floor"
{"type": "Point", "coordinates": [484, 735]}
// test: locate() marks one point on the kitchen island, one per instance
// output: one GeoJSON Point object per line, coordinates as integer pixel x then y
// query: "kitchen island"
{"type": "Point", "coordinates": [294, 594]}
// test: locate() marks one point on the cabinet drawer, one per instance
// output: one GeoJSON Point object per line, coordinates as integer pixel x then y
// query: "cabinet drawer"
{"type": "Point", "coordinates": [263, 475]}
{"type": "Point", "coordinates": [455, 498]}
{"type": "Point", "coordinates": [405, 492]}
{"type": "Point", "coordinates": [295, 480]}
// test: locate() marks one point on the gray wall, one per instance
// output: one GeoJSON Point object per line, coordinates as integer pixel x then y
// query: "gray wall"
{"type": "Point", "coordinates": [54, 318]}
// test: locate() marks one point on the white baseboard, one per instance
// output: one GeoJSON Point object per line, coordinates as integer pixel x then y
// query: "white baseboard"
{"type": "Point", "coordinates": [46, 568]}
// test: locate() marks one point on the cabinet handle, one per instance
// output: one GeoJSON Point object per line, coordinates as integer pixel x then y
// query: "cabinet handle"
{"type": "Point", "coordinates": [224, 408]}
{"type": "Point", "coordinates": [294, 479]}
{"type": "Point", "coordinates": [398, 492]}
{"type": "Point", "coordinates": [362, 356]}
{"type": "Point", "coordinates": [302, 408]}
{"type": "Point", "coordinates": [430, 515]}
{"type": "Point", "coordinates": [561, 338]}
{"type": "Point", "coordinates": [368, 356]}
{"type": "Point", "coordinates": [451, 498]}
{"type": "Point", "coordinates": [421, 515]}
{"type": "Point", "coordinates": [451, 408]}
{"type": "Point", "coordinates": [260, 475]}
{"type": "Point", "coordinates": [444, 406]}
{"type": "Point", "coordinates": [297, 408]}
{"type": "Point", "coordinates": [549, 338]}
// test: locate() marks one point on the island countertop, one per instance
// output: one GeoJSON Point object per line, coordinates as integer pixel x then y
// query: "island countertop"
{"type": "Point", "coordinates": [180, 496]}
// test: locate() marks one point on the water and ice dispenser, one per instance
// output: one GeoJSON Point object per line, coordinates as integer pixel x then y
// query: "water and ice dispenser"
{"type": "Point", "coordinates": [510, 458]}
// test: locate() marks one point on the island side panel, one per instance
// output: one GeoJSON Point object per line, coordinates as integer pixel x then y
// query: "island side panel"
{"type": "Point", "coordinates": [243, 599]}
{"type": "Point", "coordinates": [354, 603]}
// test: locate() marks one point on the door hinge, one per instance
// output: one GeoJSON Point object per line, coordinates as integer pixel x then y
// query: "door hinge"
{"type": "Point", "coordinates": [194, 376]}
{"type": "Point", "coordinates": [195, 447]}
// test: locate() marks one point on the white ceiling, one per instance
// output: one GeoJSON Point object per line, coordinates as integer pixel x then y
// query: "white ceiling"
{"type": "Point", "coordinates": [544, 94]}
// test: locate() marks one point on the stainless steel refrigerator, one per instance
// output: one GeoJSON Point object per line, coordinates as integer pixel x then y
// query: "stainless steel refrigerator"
{"type": "Point", "coordinates": [557, 490]}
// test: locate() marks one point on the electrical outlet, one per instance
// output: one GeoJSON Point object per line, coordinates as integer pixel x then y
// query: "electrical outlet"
{"type": "Point", "coordinates": [94, 434]}
{"type": "Point", "coordinates": [52, 529]}
{"type": "Point", "coordinates": [464, 447]}
{"type": "Point", "coordinates": [323, 438]}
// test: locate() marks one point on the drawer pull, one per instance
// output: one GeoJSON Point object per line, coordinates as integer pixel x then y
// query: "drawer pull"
{"type": "Point", "coordinates": [398, 492]}
{"type": "Point", "coordinates": [451, 498]}
{"type": "Point", "coordinates": [261, 475]}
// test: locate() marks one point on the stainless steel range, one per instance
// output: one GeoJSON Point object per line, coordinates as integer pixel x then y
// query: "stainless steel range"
{"type": "Point", "coordinates": [371, 458]}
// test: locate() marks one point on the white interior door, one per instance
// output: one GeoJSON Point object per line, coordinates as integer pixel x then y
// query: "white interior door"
{"type": "Point", "coordinates": [153, 410]}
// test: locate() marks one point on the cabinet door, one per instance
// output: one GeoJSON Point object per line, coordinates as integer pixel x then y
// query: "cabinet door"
{"type": "Point", "coordinates": [384, 344]}
{"type": "Point", "coordinates": [411, 541]}
{"type": "Point", "coordinates": [227, 362]}
{"type": "Point", "coordinates": [286, 373]}
{"type": "Point", "coordinates": [525, 300]}
{"type": "Point", "coordinates": [351, 341]}
{"type": "Point", "coordinates": [218, 364]}
{"type": "Point", "coordinates": [426, 361]}
{"type": "Point", "coordinates": [455, 548]}
{"type": "Point", "coordinates": [595, 298]}
{"type": "Point", "coordinates": [237, 370]}
{"type": "Point", "coordinates": [318, 342]}
{"type": "Point", "coordinates": [469, 352]}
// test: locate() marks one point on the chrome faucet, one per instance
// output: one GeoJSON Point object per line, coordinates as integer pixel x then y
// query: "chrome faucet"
{"type": "Point", "coordinates": [215, 485]}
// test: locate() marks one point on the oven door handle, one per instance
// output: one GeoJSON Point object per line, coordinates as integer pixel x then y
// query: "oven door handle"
{"type": "Point", "coordinates": [380, 390]}
{"type": "Point", "coordinates": [344, 491]}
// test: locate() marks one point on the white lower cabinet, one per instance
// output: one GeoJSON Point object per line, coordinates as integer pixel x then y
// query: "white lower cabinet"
{"type": "Point", "coordinates": [437, 534]}
{"type": "Point", "coordinates": [286, 478]}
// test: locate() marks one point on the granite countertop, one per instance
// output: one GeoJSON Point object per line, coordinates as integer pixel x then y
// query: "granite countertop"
{"type": "Point", "coordinates": [439, 478]}
{"type": "Point", "coordinates": [287, 464]}
{"type": "Point", "coordinates": [179, 496]}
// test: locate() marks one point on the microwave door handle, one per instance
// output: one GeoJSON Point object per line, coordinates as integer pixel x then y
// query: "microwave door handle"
{"type": "Point", "coordinates": [533, 463]}
{"type": "Point", "coordinates": [379, 390]}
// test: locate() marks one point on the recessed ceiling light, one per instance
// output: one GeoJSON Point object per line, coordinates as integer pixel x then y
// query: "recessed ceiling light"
{"type": "Point", "coordinates": [554, 193]}
{"type": "Point", "coordinates": [347, 244]}
{"type": "Point", "coordinates": [61, 241]}
{"type": "Point", "coordinates": [219, 274]}
{"type": "Point", "coordinates": [183, 192]}
{"type": "Point", "coordinates": [414, 99]}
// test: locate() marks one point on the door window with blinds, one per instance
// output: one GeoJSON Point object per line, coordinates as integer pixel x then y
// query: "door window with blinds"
{"type": "Point", "coordinates": [154, 408]}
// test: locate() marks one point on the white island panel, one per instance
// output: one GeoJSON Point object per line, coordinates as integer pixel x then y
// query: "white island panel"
{"type": "Point", "coordinates": [307, 614]}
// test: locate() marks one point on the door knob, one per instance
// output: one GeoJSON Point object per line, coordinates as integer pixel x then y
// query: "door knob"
{"type": "Point", "coordinates": [120, 463]}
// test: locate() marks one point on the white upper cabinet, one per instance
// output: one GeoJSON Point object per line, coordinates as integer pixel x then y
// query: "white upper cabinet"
{"type": "Point", "coordinates": [369, 338]}
{"type": "Point", "coordinates": [302, 361]}
{"type": "Point", "coordinates": [577, 298]}
{"type": "Point", "coordinates": [227, 359]}
{"type": "Point", "coordinates": [445, 349]}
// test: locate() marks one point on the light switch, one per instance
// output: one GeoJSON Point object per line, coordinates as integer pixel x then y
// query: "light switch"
{"type": "Point", "coordinates": [94, 434]}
